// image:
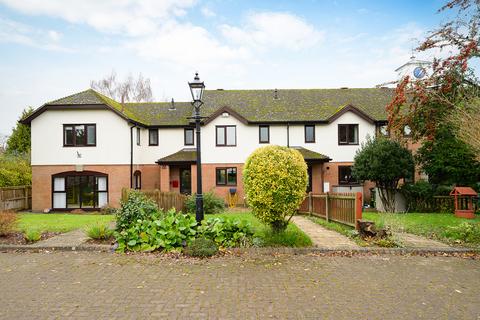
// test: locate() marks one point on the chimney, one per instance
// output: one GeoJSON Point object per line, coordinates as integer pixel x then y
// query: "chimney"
{"type": "Point", "coordinates": [275, 94]}
{"type": "Point", "coordinates": [172, 105]}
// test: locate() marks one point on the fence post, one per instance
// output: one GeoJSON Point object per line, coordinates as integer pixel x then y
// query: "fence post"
{"type": "Point", "coordinates": [310, 203]}
{"type": "Point", "coordinates": [358, 209]}
{"type": "Point", "coordinates": [327, 207]}
{"type": "Point", "coordinates": [25, 189]}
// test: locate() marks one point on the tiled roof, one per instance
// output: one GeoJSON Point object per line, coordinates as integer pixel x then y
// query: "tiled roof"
{"type": "Point", "coordinates": [257, 106]}
{"type": "Point", "coordinates": [297, 104]}
{"type": "Point", "coordinates": [310, 155]}
{"type": "Point", "coordinates": [160, 113]}
{"type": "Point", "coordinates": [187, 155]}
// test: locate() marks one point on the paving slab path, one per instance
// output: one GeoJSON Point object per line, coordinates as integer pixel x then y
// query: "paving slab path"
{"type": "Point", "coordinates": [413, 241]}
{"type": "Point", "coordinates": [68, 239]}
{"type": "Point", "coordinates": [323, 238]}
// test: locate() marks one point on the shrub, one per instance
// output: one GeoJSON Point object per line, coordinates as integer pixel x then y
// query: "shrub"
{"type": "Point", "coordinates": [99, 232]}
{"type": "Point", "coordinates": [8, 221]}
{"type": "Point", "coordinates": [201, 248]}
{"type": "Point", "coordinates": [227, 232]}
{"type": "Point", "coordinates": [212, 204]}
{"type": "Point", "coordinates": [32, 236]}
{"type": "Point", "coordinates": [420, 197]}
{"type": "Point", "coordinates": [15, 170]}
{"type": "Point", "coordinates": [466, 232]}
{"type": "Point", "coordinates": [168, 231]}
{"type": "Point", "coordinates": [106, 209]}
{"type": "Point", "coordinates": [385, 162]}
{"type": "Point", "coordinates": [137, 206]}
{"type": "Point", "coordinates": [275, 180]}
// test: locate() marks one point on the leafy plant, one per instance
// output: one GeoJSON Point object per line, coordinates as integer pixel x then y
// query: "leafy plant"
{"type": "Point", "coordinates": [99, 232]}
{"type": "Point", "coordinates": [136, 207]}
{"type": "Point", "coordinates": [227, 232]}
{"type": "Point", "coordinates": [8, 221]}
{"type": "Point", "coordinates": [168, 231]}
{"type": "Point", "coordinates": [106, 209]}
{"type": "Point", "coordinates": [466, 232]}
{"type": "Point", "coordinates": [275, 180]}
{"type": "Point", "coordinates": [201, 248]}
{"type": "Point", "coordinates": [32, 236]}
{"type": "Point", "coordinates": [212, 204]}
{"type": "Point", "coordinates": [385, 162]}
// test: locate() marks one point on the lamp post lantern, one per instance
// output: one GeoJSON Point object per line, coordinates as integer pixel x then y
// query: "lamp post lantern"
{"type": "Point", "coordinates": [196, 88]}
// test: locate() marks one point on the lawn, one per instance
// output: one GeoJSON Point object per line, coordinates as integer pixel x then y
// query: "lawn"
{"type": "Point", "coordinates": [59, 222]}
{"type": "Point", "coordinates": [292, 237]}
{"type": "Point", "coordinates": [431, 225]}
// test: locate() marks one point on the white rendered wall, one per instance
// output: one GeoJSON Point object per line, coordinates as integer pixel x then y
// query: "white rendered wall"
{"type": "Point", "coordinates": [170, 140]}
{"type": "Point", "coordinates": [247, 141]}
{"type": "Point", "coordinates": [113, 138]}
{"type": "Point", "coordinates": [326, 139]}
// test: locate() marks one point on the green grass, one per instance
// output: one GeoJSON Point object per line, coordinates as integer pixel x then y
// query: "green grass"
{"type": "Point", "coordinates": [292, 237]}
{"type": "Point", "coordinates": [53, 222]}
{"type": "Point", "coordinates": [431, 225]}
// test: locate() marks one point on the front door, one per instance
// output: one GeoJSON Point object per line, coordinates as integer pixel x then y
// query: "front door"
{"type": "Point", "coordinates": [185, 181]}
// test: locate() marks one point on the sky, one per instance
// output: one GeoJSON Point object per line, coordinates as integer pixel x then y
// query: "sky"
{"type": "Point", "coordinates": [53, 48]}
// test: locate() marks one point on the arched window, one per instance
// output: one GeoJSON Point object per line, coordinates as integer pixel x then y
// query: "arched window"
{"type": "Point", "coordinates": [79, 190]}
{"type": "Point", "coordinates": [137, 180]}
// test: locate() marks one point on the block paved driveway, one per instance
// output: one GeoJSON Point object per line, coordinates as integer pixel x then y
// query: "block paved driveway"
{"type": "Point", "coordinates": [254, 286]}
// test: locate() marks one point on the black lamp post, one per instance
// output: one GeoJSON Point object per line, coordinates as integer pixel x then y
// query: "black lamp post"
{"type": "Point", "coordinates": [196, 88]}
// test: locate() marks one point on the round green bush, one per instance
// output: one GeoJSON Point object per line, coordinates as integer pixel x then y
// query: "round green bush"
{"type": "Point", "coordinates": [201, 248]}
{"type": "Point", "coordinates": [275, 180]}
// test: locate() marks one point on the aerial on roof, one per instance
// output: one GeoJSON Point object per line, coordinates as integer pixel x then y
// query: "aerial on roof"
{"type": "Point", "coordinates": [252, 106]}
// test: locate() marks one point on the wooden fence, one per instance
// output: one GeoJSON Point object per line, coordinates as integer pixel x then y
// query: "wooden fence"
{"type": "Point", "coordinates": [16, 198]}
{"type": "Point", "coordinates": [442, 204]}
{"type": "Point", "coordinates": [345, 208]}
{"type": "Point", "coordinates": [164, 200]}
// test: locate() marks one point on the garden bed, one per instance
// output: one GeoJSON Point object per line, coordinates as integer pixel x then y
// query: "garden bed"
{"type": "Point", "coordinates": [292, 237]}
{"type": "Point", "coordinates": [18, 238]}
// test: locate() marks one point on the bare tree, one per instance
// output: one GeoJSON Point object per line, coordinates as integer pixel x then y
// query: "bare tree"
{"type": "Point", "coordinates": [129, 90]}
{"type": "Point", "coordinates": [467, 120]}
{"type": "Point", "coordinates": [3, 143]}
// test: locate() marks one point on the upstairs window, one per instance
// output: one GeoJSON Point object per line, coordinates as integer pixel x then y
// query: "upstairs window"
{"type": "Point", "coordinates": [309, 133]}
{"type": "Point", "coordinates": [407, 131]}
{"type": "Point", "coordinates": [153, 137]}
{"type": "Point", "coordinates": [138, 136]}
{"type": "Point", "coordinates": [264, 134]}
{"type": "Point", "coordinates": [347, 134]}
{"type": "Point", "coordinates": [345, 176]}
{"type": "Point", "coordinates": [226, 136]}
{"type": "Point", "coordinates": [79, 135]}
{"type": "Point", "coordinates": [188, 137]}
{"type": "Point", "coordinates": [383, 130]}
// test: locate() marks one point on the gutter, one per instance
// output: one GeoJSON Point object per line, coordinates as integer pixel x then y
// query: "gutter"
{"type": "Point", "coordinates": [131, 155]}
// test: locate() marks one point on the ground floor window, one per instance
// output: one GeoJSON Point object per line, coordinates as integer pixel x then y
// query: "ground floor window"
{"type": "Point", "coordinates": [79, 190]}
{"type": "Point", "coordinates": [345, 176]}
{"type": "Point", "coordinates": [226, 176]}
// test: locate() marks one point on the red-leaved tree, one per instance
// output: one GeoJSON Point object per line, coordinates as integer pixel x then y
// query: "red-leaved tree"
{"type": "Point", "coordinates": [452, 89]}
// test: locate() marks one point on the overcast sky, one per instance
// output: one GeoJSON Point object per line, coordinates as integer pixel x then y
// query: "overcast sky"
{"type": "Point", "coordinates": [53, 48]}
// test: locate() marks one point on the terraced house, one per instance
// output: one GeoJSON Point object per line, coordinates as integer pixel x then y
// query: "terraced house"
{"type": "Point", "coordinates": [87, 147]}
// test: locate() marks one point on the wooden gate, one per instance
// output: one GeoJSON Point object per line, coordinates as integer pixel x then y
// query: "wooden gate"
{"type": "Point", "coordinates": [343, 208]}
{"type": "Point", "coordinates": [164, 200]}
